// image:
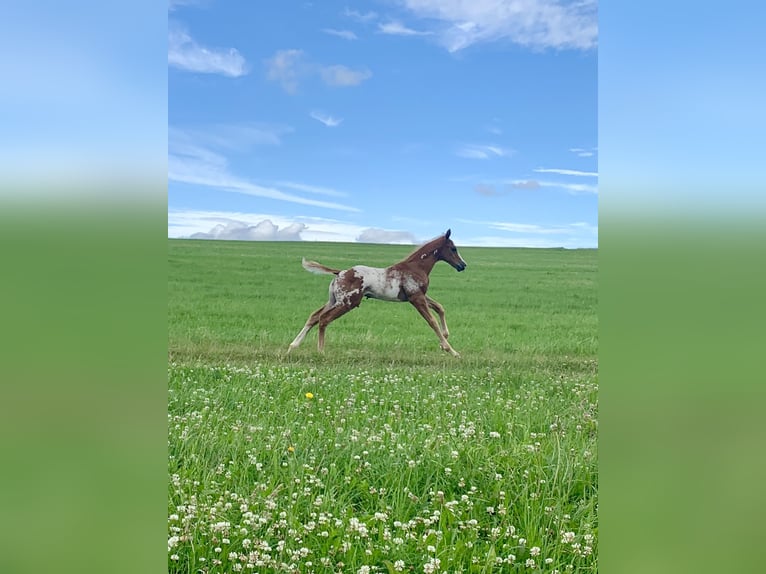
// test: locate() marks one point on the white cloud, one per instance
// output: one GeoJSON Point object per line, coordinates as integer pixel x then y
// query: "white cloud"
{"type": "Point", "coordinates": [533, 23]}
{"type": "Point", "coordinates": [568, 172]}
{"type": "Point", "coordinates": [312, 188]}
{"type": "Point", "coordinates": [473, 151]}
{"type": "Point", "coordinates": [238, 225]}
{"type": "Point", "coordinates": [485, 189]}
{"type": "Point", "coordinates": [191, 160]}
{"type": "Point", "coordinates": [326, 119]}
{"type": "Point", "coordinates": [527, 242]}
{"type": "Point", "coordinates": [236, 137]}
{"type": "Point", "coordinates": [285, 67]}
{"type": "Point", "coordinates": [186, 54]}
{"type": "Point", "coordinates": [395, 28]}
{"type": "Point", "coordinates": [288, 67]}
{"type": "Point", "coordinates": [264, 230]}
{"type": "Point", "coordinates": [359, 16]}
{"type": "Point", "coordinates": [345, 34]}
{"type": "Point", "coordinates": [343, 76]}
{"type": "Point", "coordinates": [580, 152]}
{"type": "Point", "coordinates": [572, 235]}
{"type": "Point", "coordinates": [377, 235]}
{"type": "Point", "coordinates": [571, 187]}
{"type": "Point", "coordinates": [525, 184]}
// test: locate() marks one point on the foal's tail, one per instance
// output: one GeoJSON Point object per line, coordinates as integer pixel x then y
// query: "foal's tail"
{"type": "Point", "coordinates": [314, 267]}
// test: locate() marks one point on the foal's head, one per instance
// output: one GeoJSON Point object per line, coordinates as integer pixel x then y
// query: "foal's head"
{"type": "Point", "coordinates": [448, 252]}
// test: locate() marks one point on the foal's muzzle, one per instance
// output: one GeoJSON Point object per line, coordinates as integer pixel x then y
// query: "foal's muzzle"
{"type": "Point", "coordinates": [460, 266]}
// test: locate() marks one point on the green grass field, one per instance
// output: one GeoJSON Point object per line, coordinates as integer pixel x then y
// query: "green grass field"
{"type": "Point", "coordinates": [384, 454]}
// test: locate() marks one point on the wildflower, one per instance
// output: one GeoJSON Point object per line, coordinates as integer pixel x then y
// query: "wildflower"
{"type": "Point", "coordinates": [399, 565]}
{"type": "Point", "coordinates": [363, 570]}
{"type": "Point", "coordinates": [567, 537]}
{"type": "Point", "coordinates": [290, 449]}
{"type": "Point", "coordinates": [534, 551]}
{"type": "Point", "coordinates": [529, 563]}
{"type": "Point", "coordinates": [174, 556]}
{"type": "Point", "coordinates": [309, 395]}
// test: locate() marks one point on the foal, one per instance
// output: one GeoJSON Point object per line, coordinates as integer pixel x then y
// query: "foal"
{"type": "Point", "coordinates": [403, 281]}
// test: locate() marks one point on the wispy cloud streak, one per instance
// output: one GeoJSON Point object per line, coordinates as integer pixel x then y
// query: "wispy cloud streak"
{"type": "Point", "coordinates": [395, 28]}
{"type": "Point", "coordinates": [568, 172]}
{"type": "Point", "coordinates": [534, 23]}
{"type": "Point", "coordinates": [473, 151]}
{"type": "Point", "coordinates": [193, 163]}
{"type": "Point", "coordinates": [186, 54]}
{"type": "Point", "coordinates": [345, 34]}
{"type": "Point", "coordinates": [327, 120]}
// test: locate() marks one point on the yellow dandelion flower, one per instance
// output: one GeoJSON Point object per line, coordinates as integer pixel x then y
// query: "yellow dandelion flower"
{"type": "Point", "coordinates": [290, 449]}
{"type": "Point", "coordinates": [309, 395]}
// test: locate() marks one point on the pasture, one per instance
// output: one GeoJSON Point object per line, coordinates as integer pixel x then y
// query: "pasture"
{"type": "Point", "coordinates": [384, 454]}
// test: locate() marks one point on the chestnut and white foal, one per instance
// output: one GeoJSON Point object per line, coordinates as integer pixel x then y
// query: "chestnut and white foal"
{"type": "Point", "coordinates": [403, 281]}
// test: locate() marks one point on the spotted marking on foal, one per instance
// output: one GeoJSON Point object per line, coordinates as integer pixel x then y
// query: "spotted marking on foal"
{"type": "Point", "coordinates": [377, 283]}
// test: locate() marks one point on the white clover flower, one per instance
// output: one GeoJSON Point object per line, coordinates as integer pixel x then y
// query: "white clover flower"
{"type": "Point", "coordinates": [363, 570]}
{"type": "Point", "coordinates": [399, 565]}
{"type": "Point", "coordinates": [549, 560]}
{"type": "Point", "coordinates": [174, 557]}
{"type": "Point", "coordinates": [529, 563]}
{"type": "Point", "coordinates": [534, 551]}
{"type": "Point", "coordinates": [494, 434]}
{"type": "Point", "coordinates": [567, 537]}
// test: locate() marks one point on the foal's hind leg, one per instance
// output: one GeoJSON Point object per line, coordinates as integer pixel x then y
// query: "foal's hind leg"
{"type": "Point", "coordinates": [312, 320]}
{"type": "Point", "coordinates": [333, 313]}
{"type": "Point", "coordinates": [436, 306]}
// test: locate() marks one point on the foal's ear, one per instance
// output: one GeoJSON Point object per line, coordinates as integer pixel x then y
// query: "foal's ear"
{"type": "Point", "coordinates": [446, 235]}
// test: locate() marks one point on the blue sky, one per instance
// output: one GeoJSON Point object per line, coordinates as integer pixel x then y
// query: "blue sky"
{"type": "Point", "coordinates": [384, 121]}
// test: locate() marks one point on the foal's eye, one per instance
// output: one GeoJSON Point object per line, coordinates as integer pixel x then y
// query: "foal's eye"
{"type": "Point", "coordinates": [453, 249]}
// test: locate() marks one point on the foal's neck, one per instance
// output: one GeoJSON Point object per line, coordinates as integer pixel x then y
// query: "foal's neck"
{"type": "Point", "coordinates": [424, 259]}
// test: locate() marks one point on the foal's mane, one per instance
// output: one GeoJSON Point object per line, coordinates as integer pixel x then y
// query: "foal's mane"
{"type": "Point", "coordinates": [427, 246]}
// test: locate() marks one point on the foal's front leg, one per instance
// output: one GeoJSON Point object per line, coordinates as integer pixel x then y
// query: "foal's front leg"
{"type": "Point", "coordinates": [420, 303]}
{"type": "Point", "coordinates": [436, 306]}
